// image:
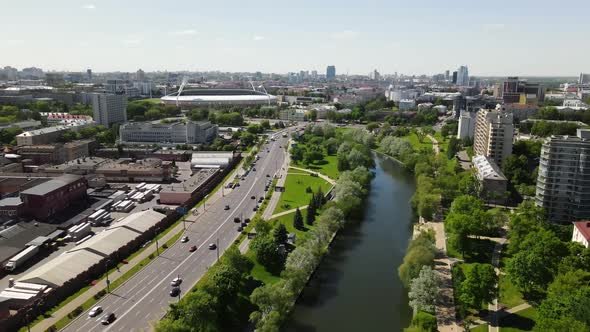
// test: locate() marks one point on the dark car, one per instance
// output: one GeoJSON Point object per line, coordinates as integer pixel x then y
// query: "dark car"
{"type": "Point", "coordinates": [255, 208]}
{"type": "Point", "coordinates": [212, 246]}
{"type": "Point", "coordinates": [108, 318]}
{"type": "Point", "coordinates": [244, 224]}
{"type": "Point", "coordinates": [175, 291]}
{"type": "Point", "coordinates": [253, 197]}
{"type": "Point", "coordinates": [226, 207]}
{"type": "Point", "coordinates": [237, 220]}
{"type": "Point", "coordinates": [254, 169]}
{"type": "Point", "coordinates": [247, 220]}
{"type": "Point", "coordinates": [193, 249]}
{"type": "Point", "coordinates": [267, 175]}
{"type": "Point", "coordinates": [260, 199]}
{"type": "Point", "coordinates": [240, 229]}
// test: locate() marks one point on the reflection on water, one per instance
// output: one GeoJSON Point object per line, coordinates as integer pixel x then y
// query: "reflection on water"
{"type": "Point", "coordinates": [356, 287]}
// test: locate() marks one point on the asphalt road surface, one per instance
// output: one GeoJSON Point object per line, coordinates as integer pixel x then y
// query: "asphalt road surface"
{"type": "Point", "coordinates": [144, 299]}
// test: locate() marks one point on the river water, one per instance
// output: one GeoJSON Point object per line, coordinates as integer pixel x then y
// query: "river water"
{"type": "Point", "coordinates": [356, 287]}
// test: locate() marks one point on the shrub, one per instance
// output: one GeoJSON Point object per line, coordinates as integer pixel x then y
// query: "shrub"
{"type": "Point", "coordinates": [425, 321]}
{"type": "Point", "coordinates": [52, 328]}
{"type": "Point", "coordinates": [165, 246]}
{"type": "Point", "coordinates": [151, 256]}
{"type": "Point", "coordinates": [308, 190]}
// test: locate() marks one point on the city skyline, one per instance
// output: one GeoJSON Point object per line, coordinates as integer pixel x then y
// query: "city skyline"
{"type": "Point", "coordinates": [390, 36]}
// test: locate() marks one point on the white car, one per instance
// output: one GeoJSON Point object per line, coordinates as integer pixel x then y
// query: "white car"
{"type": "Point", "coordinates": [176, 282]}
{"type": "Point", "coordinates": [184, 239]}
{"type": "Point", "coordinates": [95, 311]}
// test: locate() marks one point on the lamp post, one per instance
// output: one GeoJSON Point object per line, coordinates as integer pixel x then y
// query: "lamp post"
{"type": "Point", "coordinates": [157, 246]}
{"type": "Point", "coordinates": [205, 203]}
{"type": "Point", "coordinates": [106, 269]}
{"type": "Point", "coordinates": [217, 248]}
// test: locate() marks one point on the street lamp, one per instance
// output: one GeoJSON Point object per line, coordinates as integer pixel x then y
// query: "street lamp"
{"type": "Point", "coordinates": [217, 248]}
{"type": "Point", "coordinates": [205, 202]}
{"type": "Point", "coordinates": [106, 268]}
{"type": "Point", "coordinates": [157, 247]}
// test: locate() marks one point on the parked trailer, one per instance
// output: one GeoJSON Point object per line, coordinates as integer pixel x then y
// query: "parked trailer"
{"type": "Point", "coordinates": [96, 215]}
{"type": "Point", "coordinates": [141, 186]}
{"type": "Point", "coordinates": [21, 257]}
{"type": "Point", "coordinates": [125, 206]}
{"type": "Point", "coordinates": [131, 193]}
{"type": "Point", "coordinates": [105, 206]}
{"type": "Point", "coordinates": [81, 232]}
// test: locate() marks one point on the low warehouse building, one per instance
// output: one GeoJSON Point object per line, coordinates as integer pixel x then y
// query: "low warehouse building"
{"type": "Point", "coordinates": [209, 159]}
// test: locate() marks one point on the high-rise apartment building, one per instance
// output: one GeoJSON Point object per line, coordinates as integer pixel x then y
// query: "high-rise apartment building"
{"type": "Point", "coordinates": [466, 128]}
{"type": "Point", "coordinates": [563, 183]}
{"type": "Point", "coordinates": [454, 81]}
{"type": "Point", "coordinates": [462, 76]}
{"type": "Point", "coordinates": [140, 75]}
{"type": "Point", "coordinates": [89, 74]}
{"type": "Point", "coordinates": [584, 78]}
{"type": "Point", "coordinates": [331, 72]}
{"type": "Point", "coordinates": [493, 134]}
{"type": "Point", "coordinates": [109, 108]}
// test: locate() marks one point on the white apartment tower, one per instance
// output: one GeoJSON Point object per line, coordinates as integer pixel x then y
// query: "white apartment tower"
{"type": "Point", "coordinates": [563, 183]}
{"type": "Point", "coordinates": [493, 134]}
{"type": "Point", "coordinates": [466, 126]}
{"type": "Point", "coordinates": [109, 108]}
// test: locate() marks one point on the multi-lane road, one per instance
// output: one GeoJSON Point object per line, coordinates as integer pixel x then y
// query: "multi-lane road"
{"type": "Point", "coordinates": [143, 300]}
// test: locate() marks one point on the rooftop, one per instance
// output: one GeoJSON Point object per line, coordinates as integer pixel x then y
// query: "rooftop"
{"type": "Point", "coordinates": [52, 185]}
{"type": "Point", "coordinates": [487, 169]}
{"type": "Point", "coordinates": [584, 228]}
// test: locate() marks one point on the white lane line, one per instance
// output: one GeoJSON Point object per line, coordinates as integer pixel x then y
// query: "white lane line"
{"type": "Point", "coordinates": [181, 263]}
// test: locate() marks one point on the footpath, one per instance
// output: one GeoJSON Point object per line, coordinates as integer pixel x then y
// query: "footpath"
{"type": "Point", "coordinates": [102, 284]}
{"type": "Point", "coordinates": [445, 306]}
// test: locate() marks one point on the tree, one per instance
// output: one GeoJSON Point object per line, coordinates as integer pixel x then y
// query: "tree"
{"type": "Point", "coordinates": [298, 220]}
{"type": "Point", "coordinates": [265, 124]}
{"type": "Point", "coordinates": [311, 211]}
{"type": "Point", "coordinates": [479, 285]}
{"type": "Point", "coordinates": [516, 169]}
{"type": "Point", "coordinates": [420, 134]}
{"type": "Point", "coordinates": [280, 234]}
{"type": "Point", "coordinates": [424, 290]}
{"type": "Point", "coordinates": [420, 253]}
{"type": "Point", "coordinates": [533, 268]}
{"type": "Point", "coordinates": [423, 322]}
{"type": "Point", "coordinates": [273, 302]}
{"type": "Point", "coordinates": [453, 148]}
{"type": "Point", "coordinates": [565, 311]}
{"type": "Point", "coordinates": [268, 254]}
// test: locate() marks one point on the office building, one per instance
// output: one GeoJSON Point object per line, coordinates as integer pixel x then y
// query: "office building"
{"type": "Point", "coordinates": [89, 74]}
{"type": "Point", "coordinates": [563, 183]}
{"type": "Point", "coordinates": [407, 104]}
{"type": "Point", "coordinates": [47, 135]}
{"type": "Point", "coordinates": [447, 75]}
{"type": "Point", "coordinates": [331, 72]}
{"type": "Point", "coordinates": [516, 91]}
{"type": "Point", "coordinates": [493, 134]}
{"type": "Point", "coordinates": [584, 79]}
{"type": "Point", "coordinates": [462, 76]}
{"type": "Point", "coordinates": [454, 77]}
{"type": "Point", "coordinates": [43, 154]}
{"type": "Point", "coordinates": [466, 128]}
{"type": "Point", "coordinates": [109, 108]}
{"type": "Point", "coordinates": [191, 132]}
{"type": "Point", "coordinates": [53, 196]}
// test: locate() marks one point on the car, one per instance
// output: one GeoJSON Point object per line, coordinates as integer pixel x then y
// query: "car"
{"type": "Point", "coordinates": [247, 220]}
{"type": "Point", "coordinates": [254, 169]}
{"type": "Point", "coordinates": [176, 282]}
{"type": "Point", "coordinates": [237, 220]}
{"type": "Point", "coordinates": [237, 184]}
{"type": "Point", "coordinates": [174, 291]}
{"type": "Point", "coordinates": [193, 249]}
{"type": "Point", "coordinates": [226, 207]}
{"type": "Point", "coordinates": [95, 311]}
{"type": "Point", "coordinates": [240, 228]}
{"type": "Point", "coordinates": [212, 246]}
{"type": "Point", "coordinates": [255, 208]}
{"type": "Point", "coordinates": [253, 197]}
{"type": "Point", "coordinates": [267, 175]}
{"type": "Point", "coordinates": [244, 224]}
{"type": "Point", "coordinates": [260, 199]}
{"type": "Point", "coordinates": [184, 239]}
{"type": "Point", "coordinates": [108, 318]}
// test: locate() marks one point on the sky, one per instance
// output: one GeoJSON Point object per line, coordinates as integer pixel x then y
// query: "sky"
{"type": "Point", "coordinates": [493, 38]}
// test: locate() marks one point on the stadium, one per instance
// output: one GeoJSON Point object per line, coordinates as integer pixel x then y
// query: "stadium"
{"type": "Point", "coordinates": [217, 97]}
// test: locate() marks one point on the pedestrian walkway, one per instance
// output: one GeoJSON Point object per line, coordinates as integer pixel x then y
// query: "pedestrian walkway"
{"type": "Point", "coordinates": [435, 146]}
{"type": "Point", "coordinates": [493, 307]}
{"type": "Point", "coordinates": [100, 285]}
{"type": "Point", "coordinates": [288, 212]}
{"type": "Point", "coordinates": [445, 306]}
{"type": "Point", "coordinates": [329, 179]}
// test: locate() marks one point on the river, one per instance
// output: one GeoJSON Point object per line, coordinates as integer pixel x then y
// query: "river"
{"type": "Point", "coordinates": [356, 287]}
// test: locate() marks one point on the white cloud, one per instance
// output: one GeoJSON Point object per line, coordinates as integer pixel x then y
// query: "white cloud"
{"type": "Point", "coordinates": [89, 6]}
{"type": "Point", "coordinates": [132, 41]}
{"type": "Point", "coordinates": [258, 38]}
{"type": "Point", "coordinates": [344, 35]}
{"type": "Point", "coordinates": [491, 27]}
{"type": "Point", "coordinates": [187, 32]}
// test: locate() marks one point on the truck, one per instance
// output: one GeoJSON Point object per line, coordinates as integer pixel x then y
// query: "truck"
{"type": "Point", "coordinates": [18, 259]}
{"type": "Point", "coordinates": [81, 231]}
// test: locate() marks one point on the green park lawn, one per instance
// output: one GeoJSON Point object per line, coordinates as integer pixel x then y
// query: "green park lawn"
{"type": "Point", "coordinates": [295, 194]}
{"type": "Point", "coordinates": [509, 295]}
{"type": "Point", "coordinates": [416, 144]}
{"type": "Point", "coordinates": [480, 328]}
{"type": "Point", "coordinates": [521, 321]}
{"type": "Point", "coordinates": [328, 166]}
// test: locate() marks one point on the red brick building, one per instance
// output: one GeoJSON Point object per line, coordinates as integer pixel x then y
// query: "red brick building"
{"type": "Point", "coordinates": [48, 198]}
